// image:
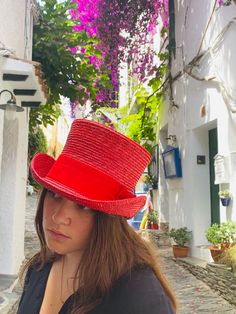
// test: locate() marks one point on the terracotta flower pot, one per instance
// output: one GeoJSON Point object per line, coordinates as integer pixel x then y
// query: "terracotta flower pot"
{"type": "Point", "coordinates": [226, 245]}
{"type": "Point", "coordinates": [154, 226]}
{"type": "Point", "coordinates": [180, 251]}
{"type": "Point", "coordinates": [216, 253]}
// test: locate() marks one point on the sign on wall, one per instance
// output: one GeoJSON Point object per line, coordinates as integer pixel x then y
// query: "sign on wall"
{"type": "Point", "coordinates": [221, 165]}
{"type": "Point", "coordinates": [172, 162]}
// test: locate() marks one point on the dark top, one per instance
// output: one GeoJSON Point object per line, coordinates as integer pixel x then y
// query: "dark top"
{"type": "Point", "coordinates": [136, 292]}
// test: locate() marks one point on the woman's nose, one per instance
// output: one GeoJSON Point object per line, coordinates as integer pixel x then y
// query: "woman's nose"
{"type": "Point", "coordinates": [61, 213]}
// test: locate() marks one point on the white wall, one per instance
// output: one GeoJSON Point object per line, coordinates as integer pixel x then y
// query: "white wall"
{"type": "Point", "coordinates": [56, 134]}
{"type": "Point", "coordinates": [12, 195]}
{"type": "Point", "coordinates": [189, 197]}
{"type": "Point", "coordinates": [16, 35]}
{"type": "Point", "coordinates": [15, 32]}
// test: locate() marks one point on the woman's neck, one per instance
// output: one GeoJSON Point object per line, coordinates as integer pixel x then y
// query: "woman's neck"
{"type": "Point", "coordinates": [69, 265]}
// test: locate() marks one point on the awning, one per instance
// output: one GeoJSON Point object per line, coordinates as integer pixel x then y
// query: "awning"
{"type": "Point", "coordinates": [24, 78]}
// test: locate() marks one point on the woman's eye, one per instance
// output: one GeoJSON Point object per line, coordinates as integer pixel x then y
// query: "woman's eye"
{"type": "Point", "coordinates": [54, 195]}
{"type": "Point", "coordinates": [82, 207]}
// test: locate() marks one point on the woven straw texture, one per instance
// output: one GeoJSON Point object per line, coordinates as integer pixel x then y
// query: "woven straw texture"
{"type": "Point", "coordinates": [105, 150]}
{"type": "Point", "coordinates": [108, 151]}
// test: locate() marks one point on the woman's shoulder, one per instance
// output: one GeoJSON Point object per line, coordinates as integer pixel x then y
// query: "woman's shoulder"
{"type": "Point", "coordinates": [38, 268]}
{"type": "Point", "coordinates": [140, 278]}
{"type": "Point", "coordinates": [139, 291]}
{"type": "Point", "coordinates": [35, 273]}
{"type": "Point", "coordinates": [33, 290]}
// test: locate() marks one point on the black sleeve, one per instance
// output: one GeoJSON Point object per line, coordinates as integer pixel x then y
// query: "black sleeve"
{"type": "Point", "coordinates": [34, 288]}
{"type": "Point", "coordinates": [26, 282]}
{"type": "Point", "coordinates": [139, 293]}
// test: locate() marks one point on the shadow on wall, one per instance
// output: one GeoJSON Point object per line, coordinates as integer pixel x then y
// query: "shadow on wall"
{"type": "Point", "coordinates": [7, 183]}
{"type": "Point", "coordinates": [178, 216]}
{"type": "Point", "coordinates": [9, 155]}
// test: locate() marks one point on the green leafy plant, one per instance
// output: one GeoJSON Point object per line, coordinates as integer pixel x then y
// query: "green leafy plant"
{"type": "Point", "coordinates": [149, 179]}
{"type": "Point", "coordinates": [224, 194]}
{"type": "Point", "coordinates": [67, 73]}
{"type": "Point", "coordinates": [220, 234]}
{"type": "Point", "coordinates": [140, 125]}
{"type": "Point", "coordinates": [214, 235]}
{"type": "Point", "coordinates": [43, 115]}
{"type": "Point", "coordinates": [181, 236]}
{"type": "Point", "coordinates": [153, 217]}
{"type": "Point", "coordinates": [228, 230]}
{"type": "Point", "coordinates": [139, 119]}
{"type": "Point", "coordinates": [228, 257]}
{"type": "Point", "coordinates": [37, 143]}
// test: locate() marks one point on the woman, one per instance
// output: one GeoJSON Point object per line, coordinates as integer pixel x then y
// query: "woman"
{"type": "Point", "coordinates": [91, 261]}
{"type": "Point", "coordinates": [148, 208]}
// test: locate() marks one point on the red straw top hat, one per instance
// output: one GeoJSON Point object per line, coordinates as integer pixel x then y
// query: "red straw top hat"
{"type": "Point", "coordinates": [98, 168]}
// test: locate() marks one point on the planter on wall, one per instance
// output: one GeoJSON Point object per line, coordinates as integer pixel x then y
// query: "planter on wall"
{"type": "Point", "coordinates": [225, 201]}
{"type": "Point", "coordinates": [154, 186]}
{"type": "Point", "coordinates": [180, 251]}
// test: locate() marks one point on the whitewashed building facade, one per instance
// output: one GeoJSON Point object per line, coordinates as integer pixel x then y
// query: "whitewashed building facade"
{"type": "Point", "coordinates": [202, 118]}
{"type": "Point", "coordinates": [23, 78]}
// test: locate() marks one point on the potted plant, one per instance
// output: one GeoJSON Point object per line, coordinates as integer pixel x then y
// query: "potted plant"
{"type": "Point", "coordinates": [228, 230]}
{"type": "Point", "coordinates": [225, 197]}
{"type": "Point", "coordinates": [222, 236]}
{"type": "Point", "coordinates": [152, 218]}
{"type": "Point", "coordinates": [146, 182]}
{"type": "Point", "coordinates": [150, 181]}
{"type": "Point", "coordinates": [180, 236]}
{"type": "Point", "coordinates": [228, 258]}
{"type": "Point", "coordinates": [214, 236]}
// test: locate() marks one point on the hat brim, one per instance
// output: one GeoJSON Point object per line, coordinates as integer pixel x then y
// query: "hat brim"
{"type": "Point", "coordinates": [128, 207]}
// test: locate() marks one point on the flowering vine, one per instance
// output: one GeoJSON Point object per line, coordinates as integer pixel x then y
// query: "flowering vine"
{"type": "Point", "coordinates": [224, 2]}
{"type": "Point", "coordinates": [125, 30]}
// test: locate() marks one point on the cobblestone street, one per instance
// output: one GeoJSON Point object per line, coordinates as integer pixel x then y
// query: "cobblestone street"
{"type": "Point", "coordinates": [194, 296]}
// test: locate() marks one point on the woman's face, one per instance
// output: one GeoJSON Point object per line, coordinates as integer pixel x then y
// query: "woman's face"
{"type": "Point", "coordinates": [67, 225]}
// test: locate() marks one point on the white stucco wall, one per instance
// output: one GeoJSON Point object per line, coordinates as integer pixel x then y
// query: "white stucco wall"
{"type": "Point", "coordinates": [16, 35]}
{"type": "Point", "coordinates": [56, 134]}
{"type": "Point", "coordinates": [189, 197]}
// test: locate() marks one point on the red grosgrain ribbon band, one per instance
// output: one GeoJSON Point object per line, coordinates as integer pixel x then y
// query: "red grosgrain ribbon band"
{"type": "Point", "coordinates": [86, 180]}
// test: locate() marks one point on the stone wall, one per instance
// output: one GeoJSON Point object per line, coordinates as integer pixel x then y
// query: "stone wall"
{"type": "Point", "coordinates": [219, 277]}
{"type": "Point", "coordinates": [158, 237]}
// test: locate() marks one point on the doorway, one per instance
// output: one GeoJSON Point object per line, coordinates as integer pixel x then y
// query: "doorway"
{"type": "Point", "coordinates": [214, 188]}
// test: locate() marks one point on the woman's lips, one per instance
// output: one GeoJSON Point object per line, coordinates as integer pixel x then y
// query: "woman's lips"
{"type": "Point", "coordinates": [57, 235]}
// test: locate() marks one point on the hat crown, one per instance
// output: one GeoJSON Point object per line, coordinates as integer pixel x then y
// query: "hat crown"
{"type": "Point", "coordinates": [107, 150]}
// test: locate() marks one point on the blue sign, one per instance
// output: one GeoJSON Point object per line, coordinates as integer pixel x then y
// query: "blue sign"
{"type": "Point", "coordinates": [172, 162]}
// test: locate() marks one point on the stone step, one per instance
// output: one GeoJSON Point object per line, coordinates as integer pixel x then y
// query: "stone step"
{"type": "Point", "coordinates": [8, 298]}
{"type": "Point", "coordinates": [9, 304]}
{"type": "Point", "coordinates": [193, 261]}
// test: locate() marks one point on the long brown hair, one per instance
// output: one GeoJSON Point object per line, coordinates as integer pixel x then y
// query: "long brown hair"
{"type": "Point", "coordinates": [114, 249]}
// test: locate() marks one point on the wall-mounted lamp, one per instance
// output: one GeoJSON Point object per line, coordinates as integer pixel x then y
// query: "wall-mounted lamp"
{"type": "Point", "coordinates": [11, 103]}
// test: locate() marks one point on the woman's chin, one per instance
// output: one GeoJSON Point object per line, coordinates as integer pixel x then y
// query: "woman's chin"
{"type": "Point", "coordinates": [56, 248]}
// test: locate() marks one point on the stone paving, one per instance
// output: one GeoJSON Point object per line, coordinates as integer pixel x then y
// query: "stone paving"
{"type": "Point", "coordinates": [193, 295]}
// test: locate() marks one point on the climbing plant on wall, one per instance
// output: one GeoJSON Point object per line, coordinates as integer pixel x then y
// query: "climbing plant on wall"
{"type": "Point", "coordinates": [67, 72]}
{"type": "Point", "coordinates": [140, 123]}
